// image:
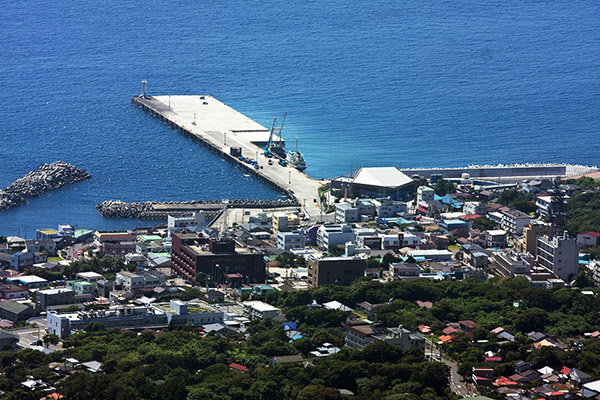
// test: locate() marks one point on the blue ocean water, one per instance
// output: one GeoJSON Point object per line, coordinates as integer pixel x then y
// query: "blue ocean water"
{"type": "Point", "coordinates": [364, 84]}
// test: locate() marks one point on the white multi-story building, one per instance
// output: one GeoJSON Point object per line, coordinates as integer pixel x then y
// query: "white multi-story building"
{"type": "Point", "coordinates": [425, 194]}
{"type": "Point", "coordinates": [346, 212]}
{"type": "Point", "coordinates": [495, 238]}
{"type": "Point", "coordinates": [332, 235]}
{"type": "Point", "coordinates": [559, 254]}
{"type": "Point", "coordinates": [259, 310]}
{"type": "Point", "coordinates": [197, 219]}
{"type": "Point", "coordinates": [514, 221]}
{"type": "Point", "coordinates": [133, 281]}
{"type": "Point", "coordinates": [385, 207]}
{"type": "Point", "coordinates": [510, 263]}
{"type": "Point", "coordinates": [474, 207]}
{"type": "Point", "coordinates": [158, 315]}
{"type": "Point", "coordinates": [291, 240]}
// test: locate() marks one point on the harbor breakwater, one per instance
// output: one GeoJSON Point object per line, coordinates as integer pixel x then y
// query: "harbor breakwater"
{"type": "Point", "coordinates": [514, 171]}
{"type": "Point", "coordinates": [39, 181]}
{"type": "Point", "coordinates": [160, 210]}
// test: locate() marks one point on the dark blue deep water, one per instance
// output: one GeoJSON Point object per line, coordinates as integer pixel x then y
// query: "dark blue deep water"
{"type": "Point", "coordinates": [441, 83]}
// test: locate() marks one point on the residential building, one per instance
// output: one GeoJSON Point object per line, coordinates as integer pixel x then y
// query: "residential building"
{"type": "Point", "coordinates": [346, 213]}
{"type": "Point", "coordinates": [65, 230]}
{"type": "Point", "coordinates": [15, 311]}
{"type": "Point", "coordinates": [400, 337]}
{"type": "Point", "coordinates": [361, 333]}
{"type": "Point", "coordinates": [136, 259]}
{"type": "Point", "coordinates": [291, 240]}
{"type": "Point", "coordinates": [114, 243]}
{"type": "Point", "coordinates": [454, 225]}
{"type": "Point", "coordinates": [193, 253]}
{"type": "Point", "coordinates": [474, 207]}
{"type": "Point", "coordinates": [41, 245]}
{"type": "Point", "coordinates": [511, 263]}
{"type": "Point", "coordinates": [403, 271]}
{"type": "Point", "coordinates": [43, 234]}
{"type": "Point", "coordinates": [21, 260]}
{"type": "Point", "coordinates": [215, 296]}
{"type": "Point", "coordinates": [81, 287]}
{"type": "Point", "coordinates": [545, 205]}
{"type": "Point", "coordinates": [53, 297]}
{"type": "Point", "coordinates": [339, 270]}
{"type": "Point", "coordinates": [588, 239]}
{"type": "Point", "coordinates": [495, 238]}
{"type": "Point", "coordinates": [282, 222]}
{"type": "Point", "coordinates": [9, 291]}
{"type": "Point", "coordinates": [559, 254]}
{"type": "Point", "coordinates": [332, 235]}
{"type": "Point", "coordinates": [259, 310]}
{"type": "Point", "coordinates": [514, 221]}
{"type": "Point", "coordinates": [8, 339]}
{"type": "Point", "coordinates": [527, 243]}
{"type": "Point", "coordinates": [425, 194]}
{"type": "Point", "coordinates": [90, 276]}
{"type": "Point", "coordinates": [385, 207]}
{"type": "Point", "coordinates": [135, 281]}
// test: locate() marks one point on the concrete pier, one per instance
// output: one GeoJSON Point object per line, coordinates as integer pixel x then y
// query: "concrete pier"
{"type": "Point", "coordinates": [220, 127]}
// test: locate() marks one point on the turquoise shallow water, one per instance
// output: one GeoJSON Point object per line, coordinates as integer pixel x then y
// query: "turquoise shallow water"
{"type": "Point", "coordinates": [364, 84]}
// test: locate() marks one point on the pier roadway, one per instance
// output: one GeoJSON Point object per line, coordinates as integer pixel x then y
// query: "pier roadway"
{"type": "Point", "coordinates": [220, 127]}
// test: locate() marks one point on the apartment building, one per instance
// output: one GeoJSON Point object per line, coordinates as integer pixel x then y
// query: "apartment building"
{"type": "Point", "coordinates": [338, 270]}
{"type": "Point", "coordinates": [514, 221]}
{"type": "Point", "coordinates": [559, 254]}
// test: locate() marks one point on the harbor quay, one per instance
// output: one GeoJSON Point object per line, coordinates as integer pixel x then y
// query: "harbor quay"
{"type": "Point", "coordinates": [231, 134]}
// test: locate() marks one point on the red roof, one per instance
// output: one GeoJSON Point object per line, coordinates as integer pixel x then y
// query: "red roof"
{"type": "Point", "coordinates": [424, 329]}
{"type": "Point", "coordinates": [565, 370]}
{"type": "Point", "coordinates": [447, 338]}
{"type": "Point", "coordinates": [469, 217]}
{"type": "Point", "coordinates": [426, 304]}
{"type": "Point", "coordinates": [591, 233]}
{"type": "Point", "coordinates": [595, 334]}
{"type": "Point", "coordinates": [493, 359]}
{"type": "Point", "coordinates": [504, 381]}
{"type": "Point", "coordinates": [238, 367]}
{"type": "Point", "coordinates": [469, 324]}
{"type": "Point", "coordinates": [449, 330]}
{"type": "Point", "coordinates": [497, 330]}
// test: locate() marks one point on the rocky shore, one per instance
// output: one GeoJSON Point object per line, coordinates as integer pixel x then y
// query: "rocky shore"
{"type": "Point", "coordinates": [160, 210]}
{"type": "Point", "coordinates": [39, 181]}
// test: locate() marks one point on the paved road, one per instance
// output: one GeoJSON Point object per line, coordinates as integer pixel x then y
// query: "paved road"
{"type": "Point", "coordinates": [456, 382]}
{"type": "Point", "coordinates": [31, 334]}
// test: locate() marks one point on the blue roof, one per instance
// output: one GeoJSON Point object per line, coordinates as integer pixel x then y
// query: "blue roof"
{"type": "Point", "coordinates": [454, 221]}
{"type": "Point", "coordinates": [296, 337]}
{"type": "Point", "coordinates": [290, 326]}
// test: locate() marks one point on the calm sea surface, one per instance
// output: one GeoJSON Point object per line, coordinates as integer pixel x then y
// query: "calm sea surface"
{"type": "Point", "coordinates": [364, 83]}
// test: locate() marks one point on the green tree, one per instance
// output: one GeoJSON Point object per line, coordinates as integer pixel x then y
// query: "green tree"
{"type": "Point", "coordinates": [443, 187]}
{"type": "Point", "coordinates": [50, 338]}
{"type": "Point", "coordinates": [483, 224]}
